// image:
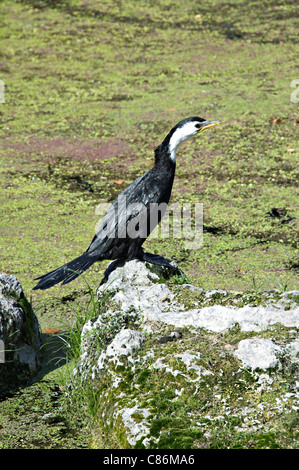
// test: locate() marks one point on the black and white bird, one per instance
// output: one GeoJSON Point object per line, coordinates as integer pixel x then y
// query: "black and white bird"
{"type": "Point", "coordinates": [134, 213]}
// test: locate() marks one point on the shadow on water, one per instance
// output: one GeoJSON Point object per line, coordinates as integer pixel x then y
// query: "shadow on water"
{"type": "Point", "coordinates": [63, 5]}
{"type": "Point", "coordinates": [229, 28]}
{"type": "Point", "coordinates": [54, 353]}
{"type": "Point", "coordinates": [38, 415]}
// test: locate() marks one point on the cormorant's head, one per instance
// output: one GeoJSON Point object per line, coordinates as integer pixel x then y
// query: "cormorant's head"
{"type": "Point", "coordinates": [185, 129]}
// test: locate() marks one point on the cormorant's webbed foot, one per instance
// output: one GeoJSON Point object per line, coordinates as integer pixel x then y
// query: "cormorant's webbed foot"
{"type": "Point", "coordinates": [148, 258]}
{"type": "Point", "coordinates": [161, 261]}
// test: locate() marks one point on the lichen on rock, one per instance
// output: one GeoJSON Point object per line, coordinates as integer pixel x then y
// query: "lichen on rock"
{"type": "Point", "coordinates": [180, 367]}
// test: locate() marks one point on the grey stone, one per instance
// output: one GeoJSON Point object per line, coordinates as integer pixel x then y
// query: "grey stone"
{"type": "Point", "coordinates": [257, 353]}
{"type": "Point", "coordinates": [19, 335]}
{"type": "Point", "coordinates": [136, 337]}
{"type": "Point", "coordinates": [134, 286]}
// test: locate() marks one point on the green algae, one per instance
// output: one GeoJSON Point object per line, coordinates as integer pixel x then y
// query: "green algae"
{"type": "Point", "coordinates": [38, 416]}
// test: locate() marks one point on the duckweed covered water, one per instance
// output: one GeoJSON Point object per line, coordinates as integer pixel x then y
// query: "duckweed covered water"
{"type": "Point", "coordinates": [91, 88]}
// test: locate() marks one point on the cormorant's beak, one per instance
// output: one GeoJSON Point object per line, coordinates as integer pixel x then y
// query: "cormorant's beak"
{"type": "Point", "coordinates": [206, 124]}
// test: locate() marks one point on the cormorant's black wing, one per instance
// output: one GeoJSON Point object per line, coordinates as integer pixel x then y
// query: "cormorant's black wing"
{"type": "Point", "coordinates": [112, 239]}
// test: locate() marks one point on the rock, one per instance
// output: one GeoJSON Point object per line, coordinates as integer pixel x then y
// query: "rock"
{"type": "Point", "coordinates": [19, 335]}
{"type": "Point", "coordinates": [179, 367]}
{"type": "Point", "coordinates": [53, 418]}
{"type": "Point", "coordinates": [257, 353]}
{"type": "Point", "coordinates": [293, 350]}
{"type": "Point", "coordinates": [125, 343]}
{"type": "Point", "coordinates": [135, 287]}
{"type": "Point", "coordinates": [124, 280]}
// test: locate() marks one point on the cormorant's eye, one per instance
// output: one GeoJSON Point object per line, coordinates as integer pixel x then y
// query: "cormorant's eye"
{"type": "Point", "coordinates": [197, 126]}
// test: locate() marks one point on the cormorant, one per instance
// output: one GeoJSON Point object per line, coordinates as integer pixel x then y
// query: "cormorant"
{"type": "Point", "coordinates": [134, 213]}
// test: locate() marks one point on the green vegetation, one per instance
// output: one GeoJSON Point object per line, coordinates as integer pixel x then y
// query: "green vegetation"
{"type": "Point", "coordinates": [209, 403]}
{"type": "Point", "coordinates": [91, 87]}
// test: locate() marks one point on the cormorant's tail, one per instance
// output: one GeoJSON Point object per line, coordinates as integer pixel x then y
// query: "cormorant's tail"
{"type": "Point", "coordinates": [66, 273]}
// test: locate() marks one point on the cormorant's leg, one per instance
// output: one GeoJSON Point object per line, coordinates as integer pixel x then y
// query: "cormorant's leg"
{"type": "Point", "coordinates": [111, 267]}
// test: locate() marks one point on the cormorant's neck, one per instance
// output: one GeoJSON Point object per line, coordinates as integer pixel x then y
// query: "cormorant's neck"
{"type": "Point", "coordinates": [165, 153]}
{"type": "Point", "coordinates": [167, 150]}
{"type": "Point", "coordinates": [163, 156]}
